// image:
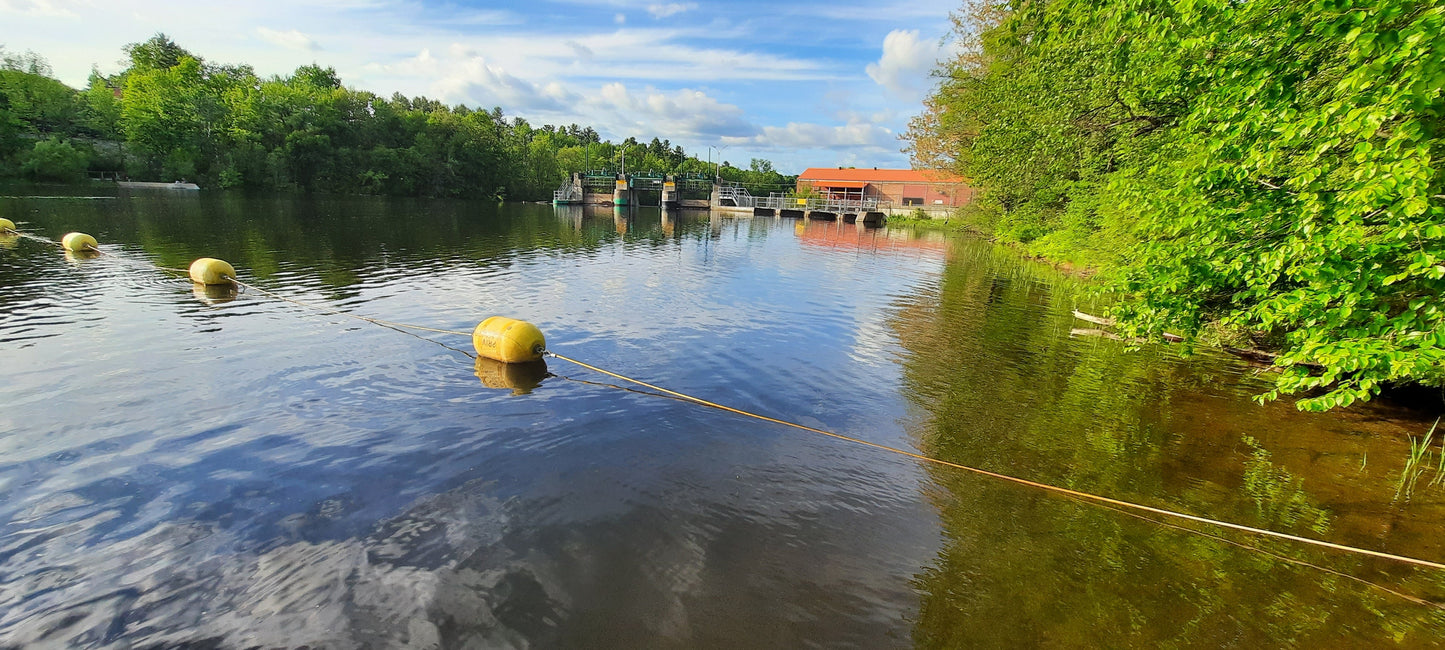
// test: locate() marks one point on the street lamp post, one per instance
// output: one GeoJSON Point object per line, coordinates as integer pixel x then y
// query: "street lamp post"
{"type": "Point", "coordinates": [717, 167]}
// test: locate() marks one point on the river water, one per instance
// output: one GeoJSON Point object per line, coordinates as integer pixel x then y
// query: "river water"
{"type": "Point", "coordinates": [180, 468]}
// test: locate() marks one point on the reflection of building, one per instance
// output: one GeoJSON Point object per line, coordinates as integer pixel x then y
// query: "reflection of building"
{"type": "Point", "coordinates": [900, 186]}
{"type": "Point", "coordinates": [829, 234]}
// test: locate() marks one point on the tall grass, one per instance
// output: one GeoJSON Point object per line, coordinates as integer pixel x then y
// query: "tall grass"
{"type": "Point", "coordinates": [1416, 465]}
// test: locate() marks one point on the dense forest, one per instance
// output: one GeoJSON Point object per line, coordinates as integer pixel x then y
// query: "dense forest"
{"type": "Point", "coordinates": [172, 115]}
{"type": "Point", "coordinates": [1262, 174]}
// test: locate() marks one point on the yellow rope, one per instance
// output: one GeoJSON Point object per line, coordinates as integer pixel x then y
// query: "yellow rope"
{"type": "Point", "coordinates": [38, 238]}
{"type": "Point", "coordinates": [330, 310]}
{"type": "Point", "coordinates": [1004, 477]}
{"type": "Point", "coordinates": [1283, 558]}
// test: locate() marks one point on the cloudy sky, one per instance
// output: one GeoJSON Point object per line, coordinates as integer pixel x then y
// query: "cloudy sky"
{"type": "Point", "coordinates": [811, 83]}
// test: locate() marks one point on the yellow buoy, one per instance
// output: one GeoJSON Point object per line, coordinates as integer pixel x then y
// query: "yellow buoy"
{"type": "Point", "coordinates": [508, 340]}
{"type": "Point", "coordinates": [78, 242]}
{"type": "Point", "coordinates": [520, 378]}
{"type": "Point", "coordinates": [6, 225]}
{"type": "Point", "coordinates": [209, 270]}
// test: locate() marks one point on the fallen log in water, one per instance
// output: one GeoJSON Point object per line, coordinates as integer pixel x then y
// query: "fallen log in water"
{"type": "Point", "coordinates": [1247, 353]}
{"type": "Point", "coordinates": [1097, 320]}
{"type": "Point", "coordinates": [1095, 332]}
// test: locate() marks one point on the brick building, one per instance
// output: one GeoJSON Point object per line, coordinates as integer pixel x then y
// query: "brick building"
{"type": "Point", "coordinates": [902, 187]}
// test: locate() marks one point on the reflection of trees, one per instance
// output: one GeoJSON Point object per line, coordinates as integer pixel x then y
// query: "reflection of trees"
{"type": "Point", "coordinates": [335, 239]}
{"type": "Point", "coordinates": [1001, 386]}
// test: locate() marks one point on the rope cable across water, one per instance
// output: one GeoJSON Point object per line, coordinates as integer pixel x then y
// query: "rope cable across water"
{"type": "Point", "coordinates": [1076, 494]}
{"type": "Point", "coordinates": [1085, 496]}
{"type": "Point", "coordinates": [1118, 505]}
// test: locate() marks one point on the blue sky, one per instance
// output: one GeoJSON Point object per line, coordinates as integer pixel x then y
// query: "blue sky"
{"type": "Point", "coordinates": [802, 84]}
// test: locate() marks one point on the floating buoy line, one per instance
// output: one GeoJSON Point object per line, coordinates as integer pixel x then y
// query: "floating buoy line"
{"type": "Point", "coordinates": [515, 346]}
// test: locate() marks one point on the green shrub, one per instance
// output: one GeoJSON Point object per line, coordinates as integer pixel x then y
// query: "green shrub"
{"type": "Point", "coordinates": [54, 159]}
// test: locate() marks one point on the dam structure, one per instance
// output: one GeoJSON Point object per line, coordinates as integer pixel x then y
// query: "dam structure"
{"type": "Point", "coordinates": [732, 197]}
{"type": "Point", "coordinates": [702, 192]}
{"type": "Point", "coordinates": [639, 188]}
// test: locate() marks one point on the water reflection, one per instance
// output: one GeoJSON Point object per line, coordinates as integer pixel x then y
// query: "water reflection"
{"type": "Point", "coordinates": [236, 470]}
{"type": "Point", "coordinates": [1001, 386]}
{"type": "Point", "coordinates": [872, 239]}
{"type": "Point", "coordinates": [239, 462]}
{"type": "Point", "coordinates": [520, 378]}
{"type": "Point", "coordinates": [215, 294]}
{"type": "Point", "coordinates": [78, 257]}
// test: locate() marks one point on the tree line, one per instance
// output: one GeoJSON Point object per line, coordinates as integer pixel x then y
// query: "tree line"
{"type": "Point", "coordinates": [172, 115]}
{"type": "Point", "coordinates": [1262, 174]}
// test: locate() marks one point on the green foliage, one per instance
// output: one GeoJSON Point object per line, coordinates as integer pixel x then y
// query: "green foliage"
{"type": "Point", "coordinates": [54, 159]}
{"type": "Point", "coordinates": [161, 113]}
{"type": "Point", "coordinates": [10, 130]}
{"type": "Point", "coordinates": [223, 126]}
{"type": "Point", "coordinates": [1271, 167]}
{"type": "Point", "coordinates": [102, 107]}
{"type": "Point", "coordinates": [992, 384]}
{"type": "Point", "coordinates": [158, 52]}
{"type": "Point", "coordinates": [43, 104]}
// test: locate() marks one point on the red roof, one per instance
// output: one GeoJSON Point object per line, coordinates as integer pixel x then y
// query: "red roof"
{"type": "Point", "coordinates": [879, 175]}
{"type": "Point", "coordinates": [844, 184]}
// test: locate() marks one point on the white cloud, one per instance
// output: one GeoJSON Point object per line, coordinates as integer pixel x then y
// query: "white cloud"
{"type": "Point", "coordinates": [683, 113]}
{"type": "Point", "coordinates": [423, 64]}
{"type": "Point", "coordinates": [583, 52]}
{"type": "Point", "coordinates": [483, 84]}
{"type": "Point", "coordinates": [817, 136]}
{"type": "Point", "coordinates": [557, 88]}
{"type": "Point", "coordinates": [492, 17]}
{"type": "Point", "coordinates": [905, 64]}
{"type": "Point", "coordinates": [694, 78]}
{"type": "Point", "coordinates": [41, 8]}
{"type": "Point", "coordinates": [670, 9]}
{"type": "Point", "coordinates": [619, 18]}
{"type": "Point", "coordinates": [290, 38]}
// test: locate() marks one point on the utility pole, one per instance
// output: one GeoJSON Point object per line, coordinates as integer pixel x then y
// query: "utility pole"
{"type": "Point", "coordinates": [717, 167]}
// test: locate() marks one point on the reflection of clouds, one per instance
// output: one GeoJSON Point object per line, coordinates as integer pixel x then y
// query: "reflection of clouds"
{"type": "Point", "coordinates": [184, 583]}
{"type": "Point", "coordinates": [153, 521]}
{"type": "Point", "coordinates": [873, 341]}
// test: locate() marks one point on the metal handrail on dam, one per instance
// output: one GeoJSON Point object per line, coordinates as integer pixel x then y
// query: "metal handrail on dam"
{"type": "Point", "coordinates": [622, 189]}
{"type": "Point", "coordinates": [738, 196]}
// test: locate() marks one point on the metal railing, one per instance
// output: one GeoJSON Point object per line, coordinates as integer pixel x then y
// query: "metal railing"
{"type": "Point", "coordinates": [567, 193]}
{"type": "Point", "coordinates": [736, 193]}
{"type": "Point", "coordinates": [779, 201]}
{"type": "Point", "coordinates": [694, 182]}
{"type": "Point", "coordinates": [599, 180]}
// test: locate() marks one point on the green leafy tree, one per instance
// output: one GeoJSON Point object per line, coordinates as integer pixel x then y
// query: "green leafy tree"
{"type": "Point", "coordinates": [1265, 173]}
{"type": "Point", "coordinates": [162, 115]}
{"type": "Point", "coordinates": [10, 129]}
{"type": "Point", "coordinates": [43, 104]}
{"type": "Point", "coordinates": [102, 107]}
{"type": "Point", "coordinates": [54, 159]}
{"type": "Point", "coordinates": [1305, 200]}
{"type": "Point", "coordinates": [223, 125]}
{"type": "Point", "coordinates": [158, 52]}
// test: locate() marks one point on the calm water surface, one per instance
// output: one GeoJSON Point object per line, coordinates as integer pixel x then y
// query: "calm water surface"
{"type": "Point", "coordinates": [185, 469]}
